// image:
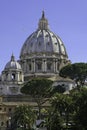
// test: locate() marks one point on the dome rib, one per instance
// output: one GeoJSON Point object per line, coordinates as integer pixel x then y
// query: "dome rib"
{"type": "Point", "coordinates": [50, 39]}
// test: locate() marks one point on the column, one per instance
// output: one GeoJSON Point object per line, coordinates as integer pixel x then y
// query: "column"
{"type": "Point", "coordinates": [27, 66]}
{"type": "Point", "coordinates": [54, 65]}
{"type": "Point", "coordinates": [33, 65]}
{"type": "Point", "coordinates": [17, 76]}
{"type": "Point", "coordinates": [44, 64]}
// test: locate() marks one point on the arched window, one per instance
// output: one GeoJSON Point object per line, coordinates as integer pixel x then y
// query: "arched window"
{"type": "Point", "coordinates": [13, 76]}
{"type": "Point", "coordinates": [39, 66]}
{"type": "Point", "coordinates": [48, 66]}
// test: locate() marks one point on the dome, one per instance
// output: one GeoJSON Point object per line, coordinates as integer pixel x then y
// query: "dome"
{"type": "Point", "coordinates": [43, 53]}
{"type": "Point", "coordinates": [43, 41]}
{"type": "Point", "coordinates": [12, 64]}
{"type": "Point", "coordinates": [12, 73]}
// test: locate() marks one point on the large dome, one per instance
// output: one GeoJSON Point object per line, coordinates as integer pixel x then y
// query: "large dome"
{"type": "Point", "coordinates": [43, 53]}
{"type": "Point", "coordinates": [43, 41]}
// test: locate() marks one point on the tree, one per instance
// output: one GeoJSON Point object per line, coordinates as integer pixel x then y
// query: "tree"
{"type": "Point", "coordinates": [80, 103]}
{"type": "Point", "coordinates": [54, 120]}
{"type": "Point", "coordinates": [76, 71]}
{"type": "Point", "coordinates": [58, 89]}
{"type": "Point", "coordinates": [39, 89]}
{"type": "Point", "coordinates": [24, 117]}
{"type": "Point", "coordinates": [63, 105]}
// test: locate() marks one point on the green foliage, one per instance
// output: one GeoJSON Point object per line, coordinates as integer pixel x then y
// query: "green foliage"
{"type": "Point", "coordinates": [58, 89]}
{"type": "Point", "coordinates": [80, 103]}
{"type": "Point", "coordinates": [69, 111]}
{"type": "Point", "coordinates": [54, 121]}
{"type": "Point", "coordinates": [23, 116]}
{"type": "Point", "coordinates": [39, 89]}
{"type": "Point", "coordinates": [63, 104]}
{"type": "Point", "coordinates": [66, 112]}
{"type": "Point", "coordinates": [76, 71]}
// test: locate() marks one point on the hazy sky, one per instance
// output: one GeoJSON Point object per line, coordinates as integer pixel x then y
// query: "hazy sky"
{"type": "Point", "coordinates": [19, 18]}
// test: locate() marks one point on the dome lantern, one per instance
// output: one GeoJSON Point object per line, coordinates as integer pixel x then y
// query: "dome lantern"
{"type": "Point", "coordinates": [12, 58]}
{"type": "Point", "coordinates": [43, 22]}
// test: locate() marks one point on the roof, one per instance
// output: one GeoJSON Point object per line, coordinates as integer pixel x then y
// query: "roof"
{"type": "Point", "coordinates": [61, 79]}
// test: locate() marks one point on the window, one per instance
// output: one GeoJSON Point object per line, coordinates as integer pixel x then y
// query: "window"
{"type": "Point", "coordinates": [39, 66]}
{"type": "Point", "coordinates": [9, 109]}
{"type": "Point", "coordinates": [48, 66]}
{"type": "Point", "coordinates": [55, 43]}
{"type": "Point", "coordinates": [29, 66]}
{"type": "Point", "coordinates": [13, 76]}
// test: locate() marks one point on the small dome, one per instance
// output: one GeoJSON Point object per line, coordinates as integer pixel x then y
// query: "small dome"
{"type": "Point", "coordinates": [12, 64]}
{"type": "Point", "coordinates": [43, 41]}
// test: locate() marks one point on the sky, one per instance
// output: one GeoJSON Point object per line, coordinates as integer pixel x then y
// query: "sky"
{"type": "Point", "coordinates": [19, 18]}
